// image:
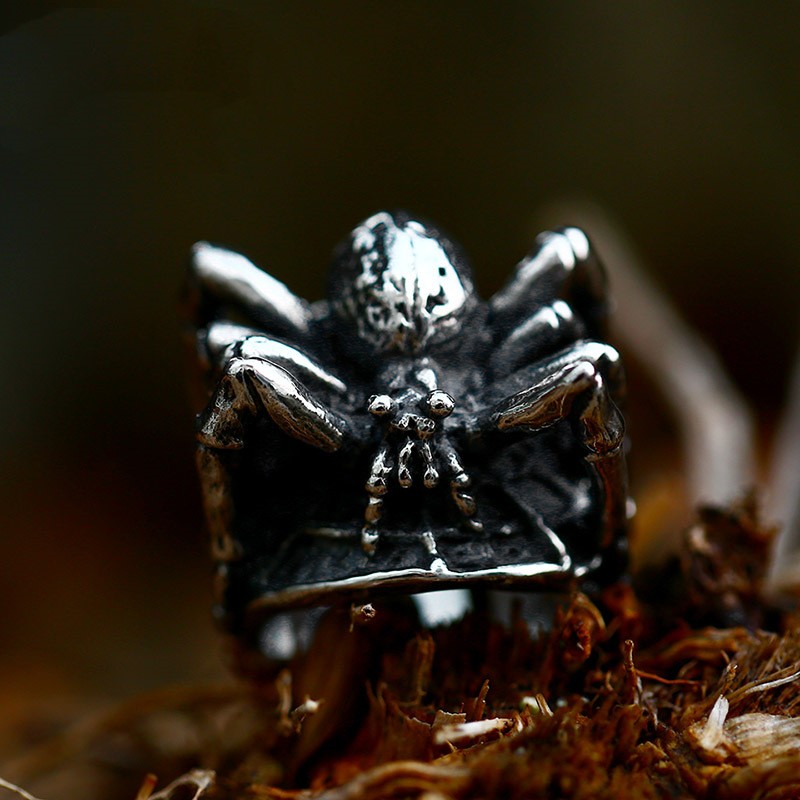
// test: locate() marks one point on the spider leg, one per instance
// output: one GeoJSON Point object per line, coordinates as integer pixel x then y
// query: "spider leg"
{"type": "Point", "coordinates": [561, 265]}
{"type": "Point", "coordinates": [221, 278]}
{"type": "Point", "coordinates": [377, 486]}
{"type": "Point", "coordinates": [459, 483]}
{"type": "Point", "coordinates": [248, 383]}
{"type": "Point", "coordinates": [576, 383]}
{"type": "Point", "coordinates": [224, 340]}
{"type": "Point", "coordinates": [431, 476]}
{"type": "Point", "coordinates": [404, 477]}
{"type": "Point", "coordinates": [218, 508]}
{"type": "Point", "coordinates": [217, 503]}
{"type": "Point", "coordinates": [382, 466]}
{"type": "Point", "coordinates": [545, 331]}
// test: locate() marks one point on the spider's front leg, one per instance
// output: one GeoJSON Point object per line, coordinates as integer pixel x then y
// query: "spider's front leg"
{"type": "Point", "coordinates": [578, 383]}
{"type": "Point", "coordinates": [258, 373]}
{"type": "Point", "coordinates": [251, 383]}
{"type": "Point", "coordinates": [416, 437]}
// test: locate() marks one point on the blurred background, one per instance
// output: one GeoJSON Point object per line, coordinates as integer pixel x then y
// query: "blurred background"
{"type": "Point", "coordinates": [129, 131]}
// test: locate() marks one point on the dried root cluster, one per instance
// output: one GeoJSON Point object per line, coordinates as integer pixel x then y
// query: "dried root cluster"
{"type": "Point", "coordinates": [691, 691]}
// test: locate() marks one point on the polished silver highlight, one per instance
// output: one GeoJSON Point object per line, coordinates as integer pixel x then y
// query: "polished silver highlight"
{"type": "Point", "coordinates": [226, 341]}
{"type": "Point", "coordinates": [408, 579]}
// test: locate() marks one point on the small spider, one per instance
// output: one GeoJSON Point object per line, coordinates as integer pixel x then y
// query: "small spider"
{"type": "Point", "coordinates": [405, 434]}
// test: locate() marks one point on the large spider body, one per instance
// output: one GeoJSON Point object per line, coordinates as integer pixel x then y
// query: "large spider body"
{"type": "Point", "coordinates": [404, 434]}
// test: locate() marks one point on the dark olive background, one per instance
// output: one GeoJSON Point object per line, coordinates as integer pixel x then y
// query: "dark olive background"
{"type": "Point", "coordinates": [128, 131]}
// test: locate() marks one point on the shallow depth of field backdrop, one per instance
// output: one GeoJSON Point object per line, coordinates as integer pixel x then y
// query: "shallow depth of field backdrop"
{"type": "Point", "coordinates": [128, 131]}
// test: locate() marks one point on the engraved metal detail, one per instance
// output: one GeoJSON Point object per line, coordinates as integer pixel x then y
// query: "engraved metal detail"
{"type": "Point", "coordinates": [406, 435]}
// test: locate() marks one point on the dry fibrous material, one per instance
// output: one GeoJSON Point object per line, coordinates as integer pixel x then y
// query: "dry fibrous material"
{"type": "Point", "coordinates": [620, 698]}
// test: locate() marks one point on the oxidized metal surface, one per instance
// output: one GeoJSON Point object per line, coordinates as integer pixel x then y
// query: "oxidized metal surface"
{"type": "Point", "coordinates": [405, 434]}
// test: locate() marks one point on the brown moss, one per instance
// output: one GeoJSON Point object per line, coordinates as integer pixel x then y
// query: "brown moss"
{"type": "Point", "coordinates": [623, 697]}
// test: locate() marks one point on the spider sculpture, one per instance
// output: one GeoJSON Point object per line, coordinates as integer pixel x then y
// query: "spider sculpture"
{"type": "Point", "coordinates": [406, 435]}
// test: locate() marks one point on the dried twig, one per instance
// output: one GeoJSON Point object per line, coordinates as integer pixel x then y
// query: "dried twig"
{"type": "Point", "coordinates": [197, 779]}
{"type": "Point", "coordinates": [715, 422]}
{"type": "Point", "coordinates": [783, 499]}
{"type": "Point", "coordinates": [16, 789]}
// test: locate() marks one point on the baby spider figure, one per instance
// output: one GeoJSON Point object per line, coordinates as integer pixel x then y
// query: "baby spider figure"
{"type": "Point", "coordinates": [404, 435]}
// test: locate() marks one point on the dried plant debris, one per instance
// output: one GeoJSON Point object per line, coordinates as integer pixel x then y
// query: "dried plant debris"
{"type": "Point", "coordinates": [618, 699]}
{"type": "Point", "coordinates": [719, 575]}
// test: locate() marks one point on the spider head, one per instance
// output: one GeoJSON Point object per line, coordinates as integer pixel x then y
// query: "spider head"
{"type": "Point", "coordinates": [400, 285]}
